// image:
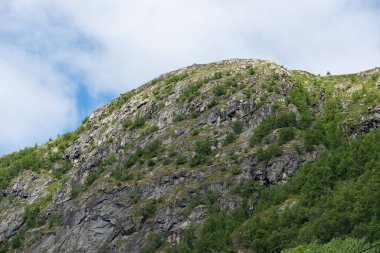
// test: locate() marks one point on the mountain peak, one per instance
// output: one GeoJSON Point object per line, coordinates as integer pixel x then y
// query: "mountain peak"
{"type": "Point", "coordinates": [203, 143]}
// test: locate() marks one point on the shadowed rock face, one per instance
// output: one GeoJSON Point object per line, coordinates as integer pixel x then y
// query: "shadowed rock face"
{"type": "Point", "coordinates": [138, 165]}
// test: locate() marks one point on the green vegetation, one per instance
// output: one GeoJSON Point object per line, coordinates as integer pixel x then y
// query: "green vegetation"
{"type": "Point", "coordinates": [219, 90]}
{"type": "Point", "coordinates": [270, 152]}
{"type": "Point", "coordinates": [118, 103]}
{"type": "Point", "coordinates": [152, 150]}
{"type": "Point", "coordinates": [349, 245]}
{"type": "Point", "coordinates": [286, 119]}
{"type": "Point", "coordinates": [213, 102]}
{"type": "Point", "coordinates": [202, 150]}
{"type": "Point", "coordinates": [175, 79]}
{"type": "Point", "coordinates": [137, 122]}
{"type": "Point", "coordinates": [93, 176]}
{"type": "Point", "coordinates": [286, 134]}
{"type": "Point", "coordinates": [149, 208]}
{"type": "Point", "coordinates": [149, 130]}
{"type": "Point", "coordinates": [334, 196]}
{"type": "Point", "coordinates": [109, 160]}
{"type": "Point", "coordinates": [217, 75]}
{"type": "Point", "coordinates": [237, 127]}
{"type": "Point", "coordinates": [178, 118]}
{"type": "Point", "coordinates": [252, 71]}
{"type": "Point", "coordinates": [190, 92]}
{"type": "Point", "coordinates": [155, 241]}
{"type": "Point", "coordinates": [33, 159]}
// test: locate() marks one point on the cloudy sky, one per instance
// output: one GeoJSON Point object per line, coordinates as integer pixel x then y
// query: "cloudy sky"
{"type": "Point", "coordinates": [59, 60]}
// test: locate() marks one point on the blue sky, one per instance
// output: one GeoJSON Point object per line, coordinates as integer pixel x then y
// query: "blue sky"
{"type": "Point", "coordinates": [59, 60]}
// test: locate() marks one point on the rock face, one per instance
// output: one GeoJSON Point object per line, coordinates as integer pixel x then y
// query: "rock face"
{"type": "Point", "coordinates": [141, 166]}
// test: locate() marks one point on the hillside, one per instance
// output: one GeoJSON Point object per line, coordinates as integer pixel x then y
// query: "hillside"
{"type": "Point", "coordinates": [232, 156]}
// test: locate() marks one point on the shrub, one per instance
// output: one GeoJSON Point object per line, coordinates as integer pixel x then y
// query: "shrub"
{"type": "Point", "coordinates": [150, 130]}
{"type": "Point", "coordinates": [252, 71]}
{"type": "Point", "coordinates": [181, 159]}
{"type": "Point", "coordinates": [75, 191]}
{"type": "Point", "coordinates": [203, 147]}
{"type": "Point", "coordinates": [230, 83]}
{"type": "Point", "coordinates": [198, 159]}
{"type": "Point", "coordinates": [178, 118]}
{"type": "Point", "coordinates": [137, 122]}
{"type": "Point", "coordinates": [312, 137]}
{"type": "Point", "coordinates": [270, 152]}
{"type": "Point", "coordinates": [286, 119]}
{"type": "Point", "coordinates": [219, 90]}
{"type": "Point", "coordinates": [155, 241]}
{"type": "Point", "coordinates": [149, 208]}
{"type": "Point", "coordinates": [217, 75]}
{"type": "Point", "coordinates": [237, 127]}
{"type": "Point", "coordinates": [174, 79]}
{"type": "Point", "coordinates": [202, 150]}
{"type": "Point", "coordinates": [231, 137]}
{"type": "Point", "coordinates": [131, 161]}
{"type": "Point", "coordinates": [190, 92]}
{"type": "Point", "coordinates": [285, 135]}
{"type": "Point", "coordinates": [151, 162]}
{"type": "Point", "coordinates": [118, 103]}
{"type": "Point", "coordinates": [213, 103]}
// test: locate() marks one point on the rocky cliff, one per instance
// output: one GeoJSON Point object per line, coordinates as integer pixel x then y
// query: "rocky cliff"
{"type": "Point", "coordinates": [150, 165]}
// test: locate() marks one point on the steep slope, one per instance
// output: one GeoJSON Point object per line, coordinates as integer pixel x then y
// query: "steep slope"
{"type": "Point", "coordinates": [187, 159]}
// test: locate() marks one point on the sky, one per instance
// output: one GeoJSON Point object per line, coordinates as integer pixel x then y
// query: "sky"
{"type": "Point", "coordinates": [60, 60]}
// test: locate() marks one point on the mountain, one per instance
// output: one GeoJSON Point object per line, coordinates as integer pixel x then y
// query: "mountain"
{"type": "Point", "coordinates": [231, 156]}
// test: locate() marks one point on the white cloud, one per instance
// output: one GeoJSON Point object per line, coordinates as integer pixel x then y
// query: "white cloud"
{"type": "Point", "coordinates": [112, 46]}
{"type": "Point", "coordinates": [35, 103]}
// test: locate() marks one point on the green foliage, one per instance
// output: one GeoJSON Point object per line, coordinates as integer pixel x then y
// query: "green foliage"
{"type": "Point", "coordinates": [191, 92]}
{"type": "Point", "coordinates": [31, 217]}
{"type": "Point", "coordinates": [76, 191]}
{"type": "Point", "coordinates": [213, 102]}
{"type": "Point", "coordinates": [286, 134]}
{"type": "Point", "coordinates": [219, 90]}
{"type": "Point", "coordinates": [312, 137]}
{"type": "Point", "coordinates": [215, 234]}
{"type": "Point", "coordinates": [335, 196]}
{"type": "Point", "coordinates": [230, 138]}
{"type": "Point", "coordinates": [118, 103]}
{"type": "Point", "coordinates": [202, 150]}
{"type": "Point", "coordinates": [237, 127]}
{"type": "Point", "coordinates": [149, 208]}
{"type": "Point", "coordinates": [203, 147]}
{"type": "Point", "coordinates": [270, 152]}
{"type": "Point", "coordinates": [178, 118]}
{"type": "Point", "coordinates": [149, 130]}
{"type": "Point", "coordinates": [151, 162]}
{"type": "Point", "coordinates": [4, 247]}
{"type": "Point", "coordinates": [252, 71]}
{"type": "Point", "coordinates": [300, 97]}
{"type": "Point", "coordinates": [137, 122]}
{"type": "Point", "coordinates": [286, 119]}
{"type": "Point", "coordinates": [110, 159]}
{"type": "Point", "coordinates": [32, 159]}
{"type": "Point", "coordinates": [154, 242]}
{"type": "Point", "coordinates": [181, 159]}
{"type": "Point", "coordinates": [17, 240]}
{"type": "Point", "coordinates": [349, 245]}
{"type": "Point", "coordinates": [175, 79]}
{"type": "Point", "coordinates": [150, 151]}
{"type": "Point", "coordinates": [217, 75]}
{"type": "Point", "coordinates": [230, 82]}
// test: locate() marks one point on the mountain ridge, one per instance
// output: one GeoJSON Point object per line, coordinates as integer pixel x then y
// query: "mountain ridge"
{"type": "Point", "coordinates": [193, 144]}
